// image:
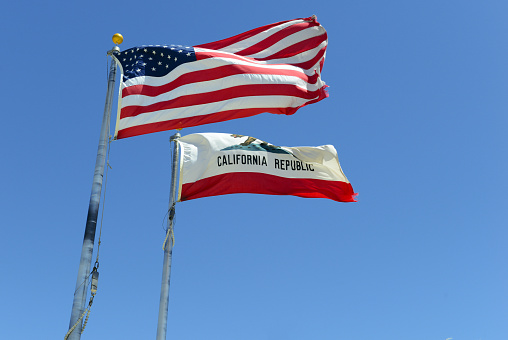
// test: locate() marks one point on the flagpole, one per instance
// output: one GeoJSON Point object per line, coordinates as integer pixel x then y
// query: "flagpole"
{"type": "Point", "coordinates": [162, 324]}
{"type": "Point", "coordinates": [78, 305]}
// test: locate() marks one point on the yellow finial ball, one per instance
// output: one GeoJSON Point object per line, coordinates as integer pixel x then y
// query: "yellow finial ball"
{"type": "Point", "coordinates": [117, 38]}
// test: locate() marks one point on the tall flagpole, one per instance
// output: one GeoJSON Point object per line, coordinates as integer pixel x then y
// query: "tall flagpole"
{"type": "Point", "coordinates": [162, 324]}
{"type": "Point", "coordinates": [78, 305]}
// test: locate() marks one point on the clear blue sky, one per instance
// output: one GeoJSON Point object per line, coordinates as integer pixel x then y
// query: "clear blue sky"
{"type": "Point", "coordinates": [417, 112]}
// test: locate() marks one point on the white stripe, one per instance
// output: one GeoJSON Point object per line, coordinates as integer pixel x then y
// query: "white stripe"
{"type": "Point", "coordinates": [277, 63]}
{"type": "Point", "coordinates": [282, 63]}
{"type": "Point", "coordinates": [302, 57]}
{"type": "Point", "coordinates": [218, 84]}
{"type": "Point", "coordinates": [207, 64]}
{"type": "Point", "coordinates": [241, 45]}
{"type": "Point", "coordinates": [290, 40]}
{"type": "Point", "coordinates": [217, 107]}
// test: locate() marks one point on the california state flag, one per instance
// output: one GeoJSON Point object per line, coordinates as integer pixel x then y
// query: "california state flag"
{"type": "Point", "coordinates": [214, 164]}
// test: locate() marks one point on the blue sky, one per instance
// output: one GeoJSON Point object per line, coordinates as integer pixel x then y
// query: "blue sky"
{"type": "Point", "coordinates": [417, 112]}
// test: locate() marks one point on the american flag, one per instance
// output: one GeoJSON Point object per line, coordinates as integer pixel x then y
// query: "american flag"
{"type": "Point", "coordinates": [274, 68]}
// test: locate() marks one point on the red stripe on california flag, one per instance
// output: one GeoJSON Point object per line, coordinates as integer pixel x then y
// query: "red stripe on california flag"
{"type": "Point", "coordinates": [259, 183]}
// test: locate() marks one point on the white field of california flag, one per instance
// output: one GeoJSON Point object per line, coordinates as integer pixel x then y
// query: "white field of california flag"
{"type": "Point", "coordinates": [213, 164]}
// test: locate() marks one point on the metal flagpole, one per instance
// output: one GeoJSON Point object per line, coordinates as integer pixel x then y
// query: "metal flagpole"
{"type": "Point", "coordinates": [162, 324]}
{"type": "Point", "coordinates": [78, 305]}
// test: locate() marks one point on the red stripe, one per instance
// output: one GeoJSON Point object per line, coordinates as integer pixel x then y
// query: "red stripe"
{"type": "Point", "coordinates": [276, 37]}
{"type": "Point", "coordinates": [205, 54]}
{"type": "Point", "coordinates": [211, 74]}
{"type": "Point", "coordinates": [201, 55]}
{"type": "Point", "coordinates": [217, 45]}
{"type": "Point", "coordinates": [310, 63]}
{"type": "Point", "coordinates": [200, 120]}
{"type": "Point", "coordinates": [223, 95]}
{"type": "Point", "coordinates": [259, 183]}
{"type": "Point", "coordinates": [295, 49]}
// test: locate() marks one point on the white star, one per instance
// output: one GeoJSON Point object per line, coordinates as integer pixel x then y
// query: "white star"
{"type": "Point", "coordinates": [169, 57]}
{"type": "Point", "coordinates": [188, 54]}
{"type": "Point", "coordinates": [160, 63]}
{"type": "Point", "coordinates": [172, 48]}
{"type": "Point", "coordinates": [144, 64]}
{"type": "Point", "coordinates": [176, 59]}
{"type": "Point", "coordinates": [141, 56]}
{"type": "Point", "coordinates": [162, 54]}
{"type": "Point", "coordinates": [132, 51]}
{"type": "Point", "coordinates": [180, 51]}
{"type": "Point", "coordinates": [145, 50]}
{"type": "Point", "coordinates": [137, 70]}
{"type": "Point", "coordinates": [154, 52]}
{"type": "Point", "coordinates": [153, 68]}
{"type": "Point", "coordinates": [150, 58]}
{"type": "Point", "coordinates": [167, 66]}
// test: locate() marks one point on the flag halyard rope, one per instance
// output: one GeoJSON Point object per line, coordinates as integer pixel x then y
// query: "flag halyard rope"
{"type": "Point", "coordinates": [90, 277]}
{"type": "Point", "coordinates": [170, 231]}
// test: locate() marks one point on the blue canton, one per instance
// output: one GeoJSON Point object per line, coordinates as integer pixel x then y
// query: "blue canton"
{"type": "Point", "coordinates": [153, 61]}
